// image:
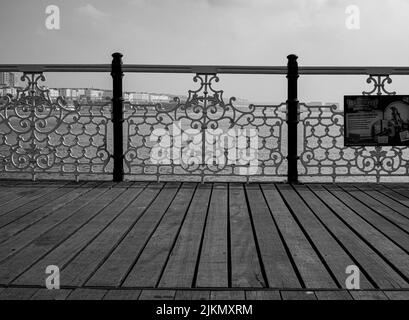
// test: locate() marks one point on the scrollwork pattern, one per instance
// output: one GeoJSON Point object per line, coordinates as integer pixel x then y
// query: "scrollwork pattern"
{"type": "Point", "coordinates": [204, 111]}
{"type": "Point", "coordinates": [44, 136]}
{"type": "Point", "coordinates": [379, 82]}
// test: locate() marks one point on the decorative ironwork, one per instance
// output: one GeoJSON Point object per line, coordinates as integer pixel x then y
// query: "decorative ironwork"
{"type": "Point", "coordinates": [379, 82]}
{"type": "Point", "coordinates": [40, 135]}
{"type": "Point", "coordinates": [324, 157]}
{"type": "Point", "coordinates": [203, 136]}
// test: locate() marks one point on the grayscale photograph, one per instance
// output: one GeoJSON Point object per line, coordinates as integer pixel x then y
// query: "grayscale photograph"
{"type": "Point", "coordinates": [204, 158]}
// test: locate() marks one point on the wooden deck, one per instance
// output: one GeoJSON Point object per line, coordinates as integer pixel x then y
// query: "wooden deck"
{"type": "Point", "coordinates": [136, 240]}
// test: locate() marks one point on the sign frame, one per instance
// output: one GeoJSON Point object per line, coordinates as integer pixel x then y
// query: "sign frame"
{"type": "Point", "coordinates": [384, 126]}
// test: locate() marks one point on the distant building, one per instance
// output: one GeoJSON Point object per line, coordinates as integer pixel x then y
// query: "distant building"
{"type": "Point", "coordinates": [8, 91]}
{"type": "Point", "coordinates": [97, 94]}
{"type": "Point", "coordinates": [106, 94]}
{"type": "Point", "coordinates": [138, 97]}
{"type": "Point", "coordinates": [65, 92]}
{"type": "Point", "coordinates": [80, 93]}
{"type": "Point", "coordinates": [53, 93]}
{"type": "Point", "coordinates": [7, 79]}
{"type": "Point", "coordinates": [158, 98]}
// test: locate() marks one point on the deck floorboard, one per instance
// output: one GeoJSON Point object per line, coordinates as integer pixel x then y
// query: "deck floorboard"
{"type": "Point", "coordinates": [211, 241]}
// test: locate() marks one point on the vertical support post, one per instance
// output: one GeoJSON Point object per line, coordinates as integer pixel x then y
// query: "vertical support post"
{"type": "Point", "coordinates": [117, 116]}
{"type": "Point", "coordinates": [293, 113]}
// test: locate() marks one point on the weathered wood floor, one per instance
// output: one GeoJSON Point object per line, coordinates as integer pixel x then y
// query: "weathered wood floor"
{"type": "Point", "coordinates": [245, 241]}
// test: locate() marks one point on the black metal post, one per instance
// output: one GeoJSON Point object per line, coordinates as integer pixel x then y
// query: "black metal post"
{"type": "Point", "coordinates": [117, 116]}
{"type": "Point", "coordinates": [292, 119]}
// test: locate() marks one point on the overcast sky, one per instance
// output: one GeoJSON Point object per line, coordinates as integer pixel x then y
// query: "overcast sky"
{"type": "Point", "coordinates": [221, 32]}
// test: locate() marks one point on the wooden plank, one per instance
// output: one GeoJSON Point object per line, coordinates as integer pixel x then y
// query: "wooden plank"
{"type": "Point", "coordinates": [213, 268]}
{"type": "Point", "coordinates": [402, 192]}
{"type": "Point", "coordinates": [368, 295]}
{"type": "Point", "coordinates": [245, 266]}
{"type": "Point", "coordinates": [277, 264]}
{"type": "Point", "coordinates": [192, 295]}
{"type": "Point", "coordinates": [26, 236]}
{"type": "Point", "coordinates": [17, 293]}
{"type": "Point", "coordinates": [389, 198]}
{"type": "Point", "coordinates": [32, 200]}
{"type": "Point", "coordinates": [63, 253]}
{"type": "Point", "coordinates": [87, 294]}
{"type": "Point", "coordinates": [148, 268]}
{"type": "Point", "coordinates": [297, 295]}
{"type": "Point", "coordinates": [180, 269]}
{"type": "Point", "coordinates": [70, 195]}
{"type": "Point", "coordinates": [378, 270]}
{"type": "Point", "coordinates": [9, 182]}
{"type": "Point", "coordinates": [388, 221]}
{"type": "Point", "coordinates": [91, 257]}
{"type": "Point", "coordinates": [45, 294]}
{"type": "Point", "coordinates": [397, 295]}
{"type": "Point", "coordinates": [309, 264]}
{"type": "Point", "coordinates": [398, 186]}
{"type": "Point", "coordinates": [122, 295]}
{"type": "Point", "coordinates": [18, 263]}
{"type": "Point", "coordinates": [263, 295]}
{"type": "Point", "coordinates": [14, 193]}
{"type": "Point", "coordinates": [115, 268]}
{"type": "Point", "coordinates": [335, 256]}
{"type": "Point", "coordinates": [227, 295]}
{"type": "Point", "coordinates": [48, 194]}
{"type": "Point", "coordinates": [394, 194]}
{"type": "Point", "coordinates": [333, 295]}
{"type": "Point", "coordinates": [157, 295]}
{"type": "Point", "coordinates": [386, 247]}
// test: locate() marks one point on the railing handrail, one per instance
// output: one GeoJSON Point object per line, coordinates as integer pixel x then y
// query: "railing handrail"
{"type": "Point", "coordinates": [210, 69]}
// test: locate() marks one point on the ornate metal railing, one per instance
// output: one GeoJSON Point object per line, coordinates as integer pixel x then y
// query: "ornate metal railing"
{"type": "Point", "coordinates": [325, 158]}
{"type": "Point", "coordinates": [202, 137]}
{"type": "Point", "coordinates": [200, 125]}
{"type": "Point", "coordinates": [42, 137]}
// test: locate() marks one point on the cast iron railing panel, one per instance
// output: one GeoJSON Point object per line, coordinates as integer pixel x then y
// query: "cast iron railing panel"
{"type": "Point", "coordinates": [45, 137]}
{"type": "Point", "coordinates": [325, 158]}
{"type": "Point", "coordinates": [204, 137]}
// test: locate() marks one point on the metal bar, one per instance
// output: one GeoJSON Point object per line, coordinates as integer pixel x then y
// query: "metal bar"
{"type": "Point", "coordinates": [141, 68]}
{"type": "Point", "coordinates": [117, 116]}
{"type": "Point", "coordinates": [38, 68]}
{"type": "Point", "coordinates": [292, 119]}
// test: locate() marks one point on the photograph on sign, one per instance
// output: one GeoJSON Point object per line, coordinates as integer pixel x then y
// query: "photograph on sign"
{"type": "Point", "coordinates": [376, 120]}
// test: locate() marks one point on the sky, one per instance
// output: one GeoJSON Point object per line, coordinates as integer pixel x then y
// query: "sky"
{"type": "Point", "coordinates": [217, 32]}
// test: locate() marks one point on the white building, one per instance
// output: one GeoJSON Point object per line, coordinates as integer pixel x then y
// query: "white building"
{"type": "Point", "coordinates": [94, 94]}
{"type": "Point", "coordinates": [7, 79]}
{"type": "Point", "coordinates": [140, 97]}
{"type": "Point", "coordinates": [53, 93]}
{"type": "Point", "coordinates": [158, 98]}
{"type": "Point", "coordinates": [8, 90]}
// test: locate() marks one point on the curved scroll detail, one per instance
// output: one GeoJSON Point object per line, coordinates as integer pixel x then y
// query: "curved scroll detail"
{"type": "Point", "coordinates": [379, 82]}
{"type": "Point", "coordinates": [203, 136]}
{"type": "Point", "coordinates": [39, 134]}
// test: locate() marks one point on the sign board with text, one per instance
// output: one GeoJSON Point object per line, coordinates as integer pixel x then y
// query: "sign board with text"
{"type": "Point", "coordinates": [376, 120]}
